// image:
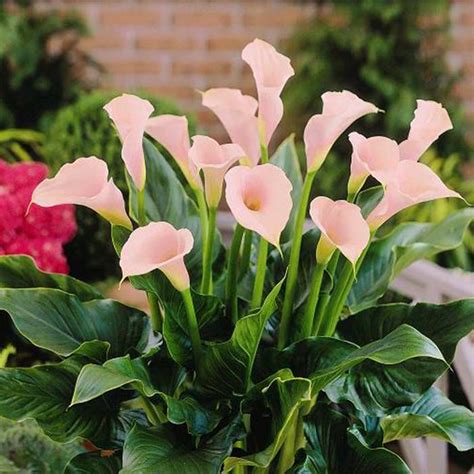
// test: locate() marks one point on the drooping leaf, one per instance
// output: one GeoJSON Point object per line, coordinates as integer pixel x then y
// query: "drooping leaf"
{"type": "Point", "coordinates": [60, 322]}
{"type": "Point", "coordinates": [225, 368]}
{"type": "Point", "coordinates": [283, 398]}
{"type": "Point", "coordinates": [286, 158]}
{"type": "Point", "coordinates": [404, 245]}
{"type": "Point", "coordinates": [95, 462]}
{"type": "Point", "coordinates": [18, 271]}
{"type": "Point", "coordinates": [332, 448]}
{"type": "Point", "coordinates": [44, 393]}
{"type": "Point", "coordinates": [167, 449]}
{"type": "Point", "coordinates": [432, 415]}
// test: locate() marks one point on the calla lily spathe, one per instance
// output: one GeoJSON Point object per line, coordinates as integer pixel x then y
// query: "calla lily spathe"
{"type": "Point", "coordinates": [130, 115]}
{"type": "Point", "coordinates": [237, 112]}
{"type": "Point", "coordinates": [214, 160]}
{"type": "Point", "coordinates": [431, 120]}
{"type": "Point", "coordinates": [271, 71]}
{"type": "Point", "coordinates": [260, 199]}
{"type": "Point", "coordinates": [158, 246]}
{"type": "Point", "coordinates": [84, 182]}
{"type": "Point", "coordinates": [172, 132]}
{"type": "Point", "coordinates": [342, 226]}
{"type": "Point", "coordinates": [340, 110]}
{"type": "Point", "coordinates": [412, 183]}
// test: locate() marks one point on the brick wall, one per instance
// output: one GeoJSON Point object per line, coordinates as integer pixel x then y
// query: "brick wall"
{"type": "Point", "coordinates": [174, 48]}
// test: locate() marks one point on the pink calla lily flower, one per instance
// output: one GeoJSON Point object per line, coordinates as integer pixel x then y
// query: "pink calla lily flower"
{"type": "Point", "coordinates": [271, 71]}
{"type": "Point", "coordinates": [260, 199]}
{"type": "Point", "coordinates": [375, 156]}
{"type": "Point", "coordinates": [130, 115]}
{"type": "Point", "coordinates": [342, 226]}
{"type": "Point", "coordinates": [158, 246]}
{"type": "Point", "coordinates": [214, 160]}
{"type": "Point", "coordinates": [172, 132]}
{"type": "Point", "coordinates": [340, 110]}
{"type": "Point", "coordinates": [431, 120]}
{"type": "Point", "coordinates": [237, 114]}
{"type": "Point", "coordinates": [84, 182]}
{"type": "Point", "coordinates": [413, 183]}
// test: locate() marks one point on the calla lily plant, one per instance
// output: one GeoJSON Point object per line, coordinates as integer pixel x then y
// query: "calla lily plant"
{"type": "Point", "coordinates": [271, 354]}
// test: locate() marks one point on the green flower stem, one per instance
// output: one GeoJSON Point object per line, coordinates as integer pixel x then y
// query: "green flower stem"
{"type": "Point", "coordinates": [206, 283]}
{"type": "Point", "coordinates": [287, 451]}
{"type": "Point", "coordinates": [203, 217]}
{"type": "Point", "coordinates": [260, 275]}
{"type": "Point", "coordinates": [246, 251]}
{"type": "Point", "coordinates": [312, 303]}
{"type": "Point", "coordinates": [294, 261]}
{"type": "Point", "coordinates": [193, 327]}
{"type": "Point", "coordinates": [154, 415]}
{"type": "Point", "coordinates": [263, 154]}
{"type": "Point", "coordinates": [141, 207]}
{"type": "Point", "coordinates": [232, 271]}
{"type": "Point", "coordinates": [155, 312]}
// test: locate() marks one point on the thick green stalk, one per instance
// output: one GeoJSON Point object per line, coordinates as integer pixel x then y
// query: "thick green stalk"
{"type": "Point", "coordinates": [287, 451]}
{"type": "Point", "coordinates": [193, 327]}
{"type": "Point", "coordinates": [203, 217]}
{"type": "Point", "coordinates": [311, 304]}
{"type": "Point", "coordinates": [232, 272]}
{"type": "Point", "coordinates": [294, 261]}
{"type": "Point", "coordinates": [246, 252]}
{"type": "Point", "coordinates": [260, 274]}
{"type": "Point", "coordinates": [263, 154]}
{"type": "Point", "coordinates": [141, 207]}
{"type": "Point", "coordinates": [155, 312]}
{"type": "Point", "coordinates": [206, 283]}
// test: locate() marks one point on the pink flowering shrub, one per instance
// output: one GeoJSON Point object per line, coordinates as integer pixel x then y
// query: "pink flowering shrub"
{"type": "Point", "coordinates": [40, 233]}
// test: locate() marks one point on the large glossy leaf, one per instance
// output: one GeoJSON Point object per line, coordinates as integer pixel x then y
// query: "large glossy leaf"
{"type": "Point", "coordinates": [44, 393]}
{"type": "Point", "coordinates": [282, 398]}
{"type": "Point", "coordinates": [225, 368]}
{"type": "Point", "coordinates": [432, 415]}
{"type": "Point", "coordinates": [286, 158]}
{"type": "Point", "coordinates": [407, 243]}
{"type": "Point", "coordinates": [167, 449]}
{"type": "Point", "coordinates": [17, 271]}
{"type": "Point", "coordinates": [97, 380]}
{"type": "Point", "coordinates": [60, 322]}
{"type": "Point", "coordinates": [332, 448]}
{"type": "Point", "coordinates": [95, 462]}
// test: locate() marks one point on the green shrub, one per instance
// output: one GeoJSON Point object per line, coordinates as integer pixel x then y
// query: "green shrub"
{"type": "Point", "coordinates": [84, 129]}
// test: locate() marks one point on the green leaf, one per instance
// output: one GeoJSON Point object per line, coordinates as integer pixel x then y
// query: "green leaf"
{"type": "Point", "coordinates": [61, 323]}
{"type": "Point", "coordinates": [432, 415]}
{"type": "Point", "coordinates": [97, 380]}
{"type": "Point", "coordinates": [283, 398]}
{"type": "Point", "coordinates": [286, 158]}
{"type": "Point", "coordinates": [44, 393]}
{"type": "Point", "coordinates": [225, 367]}
{"type": "Point", "coordinates": [406, 244]}
{"type": "Point", "coordinates": [174, 452]}
{"type": "Point", "coordinates": [87, 463]}
{"type": "Point", "coordinates": [332, 448]}
{"type": "Point", "coordinates": [21, 272]}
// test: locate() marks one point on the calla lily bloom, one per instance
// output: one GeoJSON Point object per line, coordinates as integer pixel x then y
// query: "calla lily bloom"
{"type": "Point", "coordinates": [84, 182]}
{"type": "Point", "coordinates": [342, 226]}
{"type": "Point", "coordinates": [431, 120]}
{"type": "Point", "coordinates": [271, 71]}
{"type": "Point", "coordinates": [375, 156]}
{"type": "Point", "coordinates": [413, 183]}
{"type": "Point", "coordinates": [214, 160]}
{"type": "Point", "coordinates": [158, 245]}
{"type": "Point", "coordinates": [172, 132]}
{"type": "Point", "coordinates": [237, 114]}
{"type": "Point", "coordinates": [260, 199]}
{"type": "Point", "coordinates": [340, 110]}
{"type": "Point", "coordinates": [130, 115]}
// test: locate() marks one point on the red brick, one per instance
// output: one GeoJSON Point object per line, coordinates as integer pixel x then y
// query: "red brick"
{"type": "Point", "coordinates": [204, 67]}
{"type": "Point", "coordinates": [103, 41]}
{"type": "Point", "coordinates": [277, 17]}
{"type": "Point", "coordinates": [130, 17]}
{"type": "Point", "coordinates": [177, 91]}
{"type": "Point", "coordinates": [171, 42]}
{"type": "Point", "coordinates": [202, 18]}
{"type": "Point", "coordinates": [133, 66]}
{"type": "Point", "coordinates": [228, 42]}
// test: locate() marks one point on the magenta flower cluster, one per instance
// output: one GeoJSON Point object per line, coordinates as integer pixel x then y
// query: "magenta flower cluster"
{"type": "Point", "coordinates": [42, 232]}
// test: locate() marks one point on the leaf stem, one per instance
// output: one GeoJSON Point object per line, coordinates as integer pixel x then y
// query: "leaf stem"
{"type": "Point", "coordinates": [203, 217]}
{"type": "Point", "coordinates": [206, 283]}
{"type": "Point", "coordinates": [246, 252]}
{"type": "Point", "coordinates": [193, 327]}
{"type": "Point", "coordinates": [155, 313]}
{"type": "Point", "coordinates": [311, 304]}
{"type": "Point", "coordinates": [141, 207]}
{"type": "Point", "coordinates": [260, 274]}
{"type": "Point", "coordinates": [232, 271]}
{"type": "Point", "coordinates": [263, 154]}
{"type": "Point", "coordinates": [287, 452]}
{"type": "Point", "coordinates": [294, 261]}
